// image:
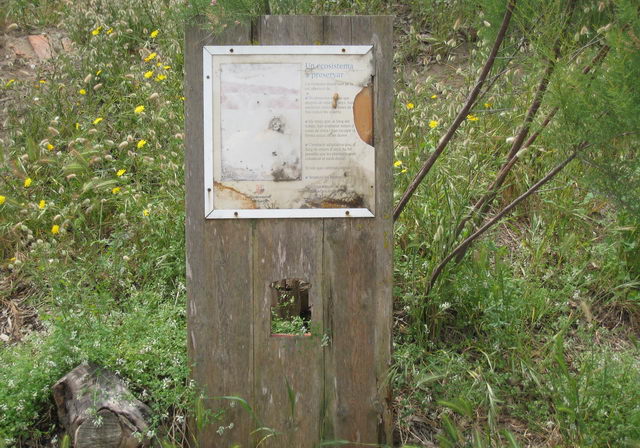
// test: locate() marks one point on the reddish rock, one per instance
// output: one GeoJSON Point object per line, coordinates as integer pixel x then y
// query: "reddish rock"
{"type": "Point", "coordinates": [40, 44]}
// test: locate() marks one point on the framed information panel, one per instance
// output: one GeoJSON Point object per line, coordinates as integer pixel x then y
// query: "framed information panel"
{"type": "Point", "coordinates": [288, 131]}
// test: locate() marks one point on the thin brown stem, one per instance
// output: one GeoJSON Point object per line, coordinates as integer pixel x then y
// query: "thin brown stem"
{"type": "Point", "coordinates": [491, 81]}
{"type": "Point", "coordinates": [481, 205]}
{"type": "Point", "coordinates": [491, 222]}
{"type": "Point", "coordinates": [462, 114]}
{"type": "Point", "coordinates": [597, 59]}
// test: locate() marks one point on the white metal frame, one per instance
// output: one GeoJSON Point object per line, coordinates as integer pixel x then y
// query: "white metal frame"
{"type": "Point", "coordinates": [208, 54]}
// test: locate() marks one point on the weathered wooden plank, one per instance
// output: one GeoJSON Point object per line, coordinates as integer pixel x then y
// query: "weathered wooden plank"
{"type": "Point", "coordinates": [288, 249]}
{"type": "Point", "coordinates": [341, 391]}
{"type": "Point", "coordinates": [337, 30]}
{"type": "Point", "coordinates": [357, 266]}
{"type": "Point", "coordinates": [289, 379]}
{"type": "Point", "coordinates": [380, 33]}
{"type": "Point", "coordinates": [288, 30]}
{"type": "Point", "coordinates": [219, 269]}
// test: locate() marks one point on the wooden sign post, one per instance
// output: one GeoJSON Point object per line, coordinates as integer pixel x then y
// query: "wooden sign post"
{"type": "Point", "coordinates": [291, 117]}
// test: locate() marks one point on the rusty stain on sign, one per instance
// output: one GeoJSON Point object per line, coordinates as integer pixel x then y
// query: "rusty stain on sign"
{"type": "Point", "coordinates": [226, 193]}
{"type": "Point", "coordinates": [363, 114]}
{"type": "Point", "coordinates": [334, 103]}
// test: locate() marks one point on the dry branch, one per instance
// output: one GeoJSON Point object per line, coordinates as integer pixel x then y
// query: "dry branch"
{"type": "Point", "coordinates": [462, 247]}
{"type": "Point", "coordinates": [462, 114]}
{"type": "Point", "coordinates": [482, 205]}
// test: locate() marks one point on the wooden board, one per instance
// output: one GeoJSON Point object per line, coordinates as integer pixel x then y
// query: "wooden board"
{"type": "Point", "coordinates": [338, 376]}
{"type": "Point", "coordinates": [219, 271]}
{"type": "Point", "coordinates": [289, 383]}
{"type": "Point", "coordinates": [358, 271]}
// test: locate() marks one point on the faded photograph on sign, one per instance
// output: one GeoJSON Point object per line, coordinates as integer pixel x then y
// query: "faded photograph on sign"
{"type": "Point", "coordinates": [260, 122]}
{"type": "Point", "coordinates": [291, 131]}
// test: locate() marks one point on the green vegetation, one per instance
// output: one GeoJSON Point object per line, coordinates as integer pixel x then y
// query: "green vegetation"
{"type": "Point", "coordinates": [531, 339]}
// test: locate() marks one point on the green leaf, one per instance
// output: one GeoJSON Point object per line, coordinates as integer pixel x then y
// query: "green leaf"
{"type": "Point", "coordinates": [98, 184]}
{"type": "Point", "coordinates": [459, 405]}
{"type": "Point", "coordinates": [292, 398]}
{"type": "Point", "coordinates": [244, 405]}
{"type": "Point", "coordinates": [426, 379]}
{"type": "Point", "coordinates": [334, 443]}
{"type": "Point", "coordinates": [65, 442]}
{"type": "Point", "coordinates": [513, 443]}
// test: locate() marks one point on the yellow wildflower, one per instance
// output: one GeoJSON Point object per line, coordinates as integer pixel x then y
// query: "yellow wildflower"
{"type": "Point", "coordinates": [77, 126]}
{"type": "Point", "coordinates": [97, 120]}
{"type": "Point", "coordinates": [55, 229]}
{"type": "Point", "coordinates": [404, 170]}
{"type": "Point", "coordinates": [96, 31]}
{"type": "Point", "coordinates": [11, 81]}
{"type": "Point", "coordinates": [138, 109]}
{"type": "Point", "coordinates": [145, 212]}
{"type": "Point", "coordinates": [151, 57]}
{"type": "Point", "coordinates": [42, 81]}
{"type": "Point", "coordinates": [115, 190]}
{"type": "Point", "coordinates": [433, 124]}
{"type": "Point", "coordinates": [433, 97]}
{"type": "Point", "coordinates": [121, 172]}
{"type": "Point", "coordinates": [98, 72]}
{"type": "Point", "coordinates": [109, 31]}
{"type": "Point", "coordinates": [397, 163]}
{"type": "Point", "coordinates": [141, 143]}
{"type": "Point", "coordinates": [167, 67]}
{"type": "Point", "coordinates": [487, 105]}
{"type": "Point", "coordinates": [159, 64]}
{"type": "Point", "coordinates": [161, 77]}
{"type": "Point", "coordinates": [50, 147]}
{"type": "Point", "coordinates": [27, 182]}
{"type": "Point", "coordinates": [410, 106]}
{"type": "Point", "coordinates": [82, 92]}
{"type": "Point", "coordinates": [42, 204]}
{"type": "Point", "coordinates": [12, 259]}
{"type": "Point", "coordinates": [472, 117]}
{"type": "Point", "coordinates": [2, 199]}
{"type": "Point", "coordinates": [148, 74]}
{"type": "Point", "coordinates": [154, 34]}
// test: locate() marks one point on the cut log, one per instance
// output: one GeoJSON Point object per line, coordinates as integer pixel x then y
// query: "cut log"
{"type": "Point", "coordinates": [98, 411]}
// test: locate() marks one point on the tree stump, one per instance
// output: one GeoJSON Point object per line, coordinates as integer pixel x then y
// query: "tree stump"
{"type": "Point", "coordinates": [98, 411]}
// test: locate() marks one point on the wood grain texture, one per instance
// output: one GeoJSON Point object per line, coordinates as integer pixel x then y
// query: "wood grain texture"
{"type": "Point", "coordinates": [89, 388]}
{"type": "Point", "coordinates": [219, 270]}
{"type": "Point", "coordinates": [288, 30]}
{"type": "Point", "coordinates": [381, 36]}
{"type": "Point", "coordinates": [340, 388]}
{"type": "Point", "coordinates": [358, 273]}
{"type": "Point", "coordinates": [289, 379]}
{"type": "Point", "coordinates": [288, 249]}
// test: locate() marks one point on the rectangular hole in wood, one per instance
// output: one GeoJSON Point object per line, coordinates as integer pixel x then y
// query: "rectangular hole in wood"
{"type": "Point", "coordinates": [290, 310]}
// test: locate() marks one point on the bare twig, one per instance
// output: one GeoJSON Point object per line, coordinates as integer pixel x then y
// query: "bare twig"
{"type": "Point", "coordinates": [485, 200]}
{"type": "Point", "coordinates": [596, 60]}
{"type": "Point", "coordinates": [515, 147]}
{"type": "Point", "coordinates": [491, 81]}
{"type": "Point", "coordinates": [462, 114]}
{"type": "Point", "coordinates": [595, 41]}
{"type": "Point", "coordinates": [519, 144]}
{"type": "Point", "coordinates": [487, 225]}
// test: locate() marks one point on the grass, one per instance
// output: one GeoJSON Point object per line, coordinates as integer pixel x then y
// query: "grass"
{"type": "Point", "coordinates": [531, 340]}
